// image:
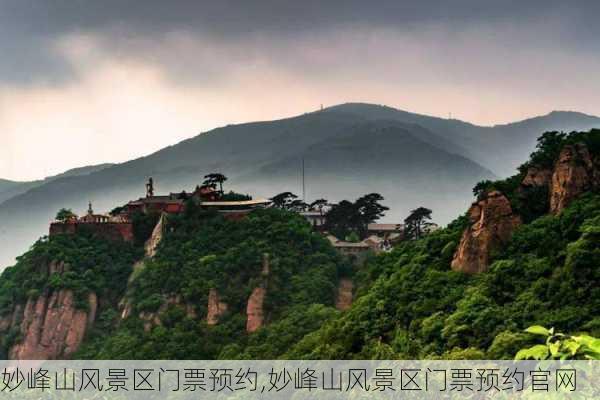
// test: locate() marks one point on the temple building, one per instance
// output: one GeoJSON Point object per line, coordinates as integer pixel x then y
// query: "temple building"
{"type": "Point", "coordinates": [90, 217]}
{"type": "Point", "coordinates": [204, 196]}
{"type": "Point", "coordinates": [110, 227]}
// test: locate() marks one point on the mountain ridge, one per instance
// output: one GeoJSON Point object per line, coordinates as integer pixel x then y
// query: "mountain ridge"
{"type": "Point", "coordinates": [241, 150]}
{"type": "Point", "coordinates": [10, 188]}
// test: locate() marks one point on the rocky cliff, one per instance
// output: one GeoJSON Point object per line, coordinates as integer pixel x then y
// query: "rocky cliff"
{"type": "Point", "coordinates": [537, 177]}
{"type": "Point", "coordinates": [52, 327]}
{"type": "Point", "coordinates": [343, 299]}
{"type": "Point", "coordinates": [157, 235]}
{"type": "Point", "coordinates": [254, 308]}
{"type": "Point", "coordinates": [575, 172]}
{"type": "Point", "coordinates": [215, 307]}
{"type": "Point", "coordinates": [492, 223]}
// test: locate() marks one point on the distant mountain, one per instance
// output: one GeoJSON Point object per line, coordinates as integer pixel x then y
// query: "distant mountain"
{"type": "Point", "coordinates": [349, 150]}
{"type": "Point", "coordinates": [9, 189]}
{"type": "Point", "coordinates": [6, 184]}
{"type": "Point", "coordinates": [501, 148]}
{"type": "Point", "coordinates": [396, 160]}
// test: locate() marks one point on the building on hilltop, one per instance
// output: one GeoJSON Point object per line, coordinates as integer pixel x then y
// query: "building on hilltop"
{"type": "Point", "coordinates": [120, 227]}
{"type": "Point", "coordinates": [389, 233]}
{"type": "Point", "coordinates": [90, 217]}
{"type": "Point", "coordinates": [109, 227]}
{"type": "Point", "coordinates": [204, 196]}
{"type": "Point", "coordinates": [316, 218]}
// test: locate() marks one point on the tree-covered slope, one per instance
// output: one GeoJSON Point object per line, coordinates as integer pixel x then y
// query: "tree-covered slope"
{"type": "Point", "coordinates": [412, 305]}
{"type": "Point", "coordinates": [194, 299]}
{"type": "Point", "coordinates": [416, 307]}
{"type": "Point", "coordinates": [203, 251]}
{"type": "Point", "coordinates": [81, 264]}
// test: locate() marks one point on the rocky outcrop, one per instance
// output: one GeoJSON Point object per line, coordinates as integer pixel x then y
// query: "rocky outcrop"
{"type": "Point", "coordinates": [574, 173]}
{"type": "Point", "coordinates": [537, 177]}
{"type": "Point", "coordinates": [492, 223]}
{"type": "Point", "coordinates": [254, 308]}
{"type": "Point", "coordinates": [52, 327]}
{"type": "Point", "coordinates": [49, 325]}
{"type": "Point", "coordinates": [343, 299]}
{"type": "Point", "coordinates": [215, 308]}
{"type": "Point", "coordinates": [157, 235]}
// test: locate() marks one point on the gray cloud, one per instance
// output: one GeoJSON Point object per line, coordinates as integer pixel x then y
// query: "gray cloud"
{"type": "Point", "coordinates": [267, 29]}
{"type": "Point", "coordinates": [145, 74]}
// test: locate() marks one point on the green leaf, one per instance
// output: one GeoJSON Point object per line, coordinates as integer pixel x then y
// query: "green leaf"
{"type": "Point", "coordinates": [538, 330]}
{"type": "Point", "coordinates": [537, 352]}
{"type": "Point", "coordinates": [572, 346]}
{"type": "Point", "coordinates": [554, 349]}
{"type": "Point", "coordinates": [590, 346]}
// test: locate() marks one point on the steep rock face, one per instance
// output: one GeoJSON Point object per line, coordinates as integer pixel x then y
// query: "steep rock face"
{"type": "Point", "coordinates": [157, 234]}
{"type": "Point", "coordinates": [574, 173]}
{"type": "Point", "coordinates": [254, 309]}
{"type": "Point", "coordinates": [215, 307]}
{"type": "Point", "coordinates": [52, 327]}
{"type": "Point", "coordinates": [492, 224]}
{"type": "Point", "coordinates": [343, 300]}
{"type": "Point", "coordinates": [537, 177]}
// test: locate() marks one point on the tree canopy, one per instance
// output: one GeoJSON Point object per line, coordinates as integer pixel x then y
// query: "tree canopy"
{"type": "Point", "coordinates": [347, 217]}
{"type": "Point", "coordinates": [65, 214]}
{"type": "Point", "coordinates": [283, 200]}
{"type": "Point", "coordinates": [417, 223]}
{"type": "Point", "coordinates": [214, 179]}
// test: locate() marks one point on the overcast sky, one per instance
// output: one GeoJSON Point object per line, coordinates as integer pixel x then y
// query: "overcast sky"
{"type": "Point", "coordinates": [86, 82]}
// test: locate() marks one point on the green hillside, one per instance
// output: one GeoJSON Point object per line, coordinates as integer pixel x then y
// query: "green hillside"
{"type": "Point", "coordinates": [409, 304]}
{"type": "Point", "coordinates": [413, 306]}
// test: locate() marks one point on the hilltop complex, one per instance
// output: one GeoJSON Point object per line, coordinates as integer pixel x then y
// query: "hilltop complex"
{"type": "Point", "coordinates": [118, 224]}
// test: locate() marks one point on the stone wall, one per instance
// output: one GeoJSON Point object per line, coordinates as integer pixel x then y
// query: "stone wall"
{"type": "Point", "coordinates": [107, 230]}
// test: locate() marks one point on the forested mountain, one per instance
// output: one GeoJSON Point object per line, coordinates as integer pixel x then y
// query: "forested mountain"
{"type": "Point", "coordinates": [10, 189]}
{"type": "Point", "coordinates": [501, 148]}
{"type": "Point", "coordinates": [421, 160]}
{"type": "Point", "coordinates": [526, 253]}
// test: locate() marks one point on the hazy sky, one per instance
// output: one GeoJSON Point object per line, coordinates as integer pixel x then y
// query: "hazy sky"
{"type": "Point", "coordinates": [85, 82]}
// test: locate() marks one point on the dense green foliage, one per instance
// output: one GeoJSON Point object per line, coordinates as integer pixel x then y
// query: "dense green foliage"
{"type": "Point", "coordinates": [202, 251]}
{"type": "Point", "coordinates": [418, 308]}
{"type": "Point", "coordinates": [417, 223]}
{"type": "Point", "coordinates": [143, 225]}
{"type": "Point", "coordinates": [64, 214]}
{"type": "Point", "coordinates": [533, 202]}
{"type": "Point", "coordinates": [233, 196]}
{"type": "Point", "coordinates": [346, 217]}
{"type": "Point", "coordinates": [558, 346]}
{"type": "Point", "coordinates": [408, 303]}
{"type": "Point", "coordinates": [90, 264]}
